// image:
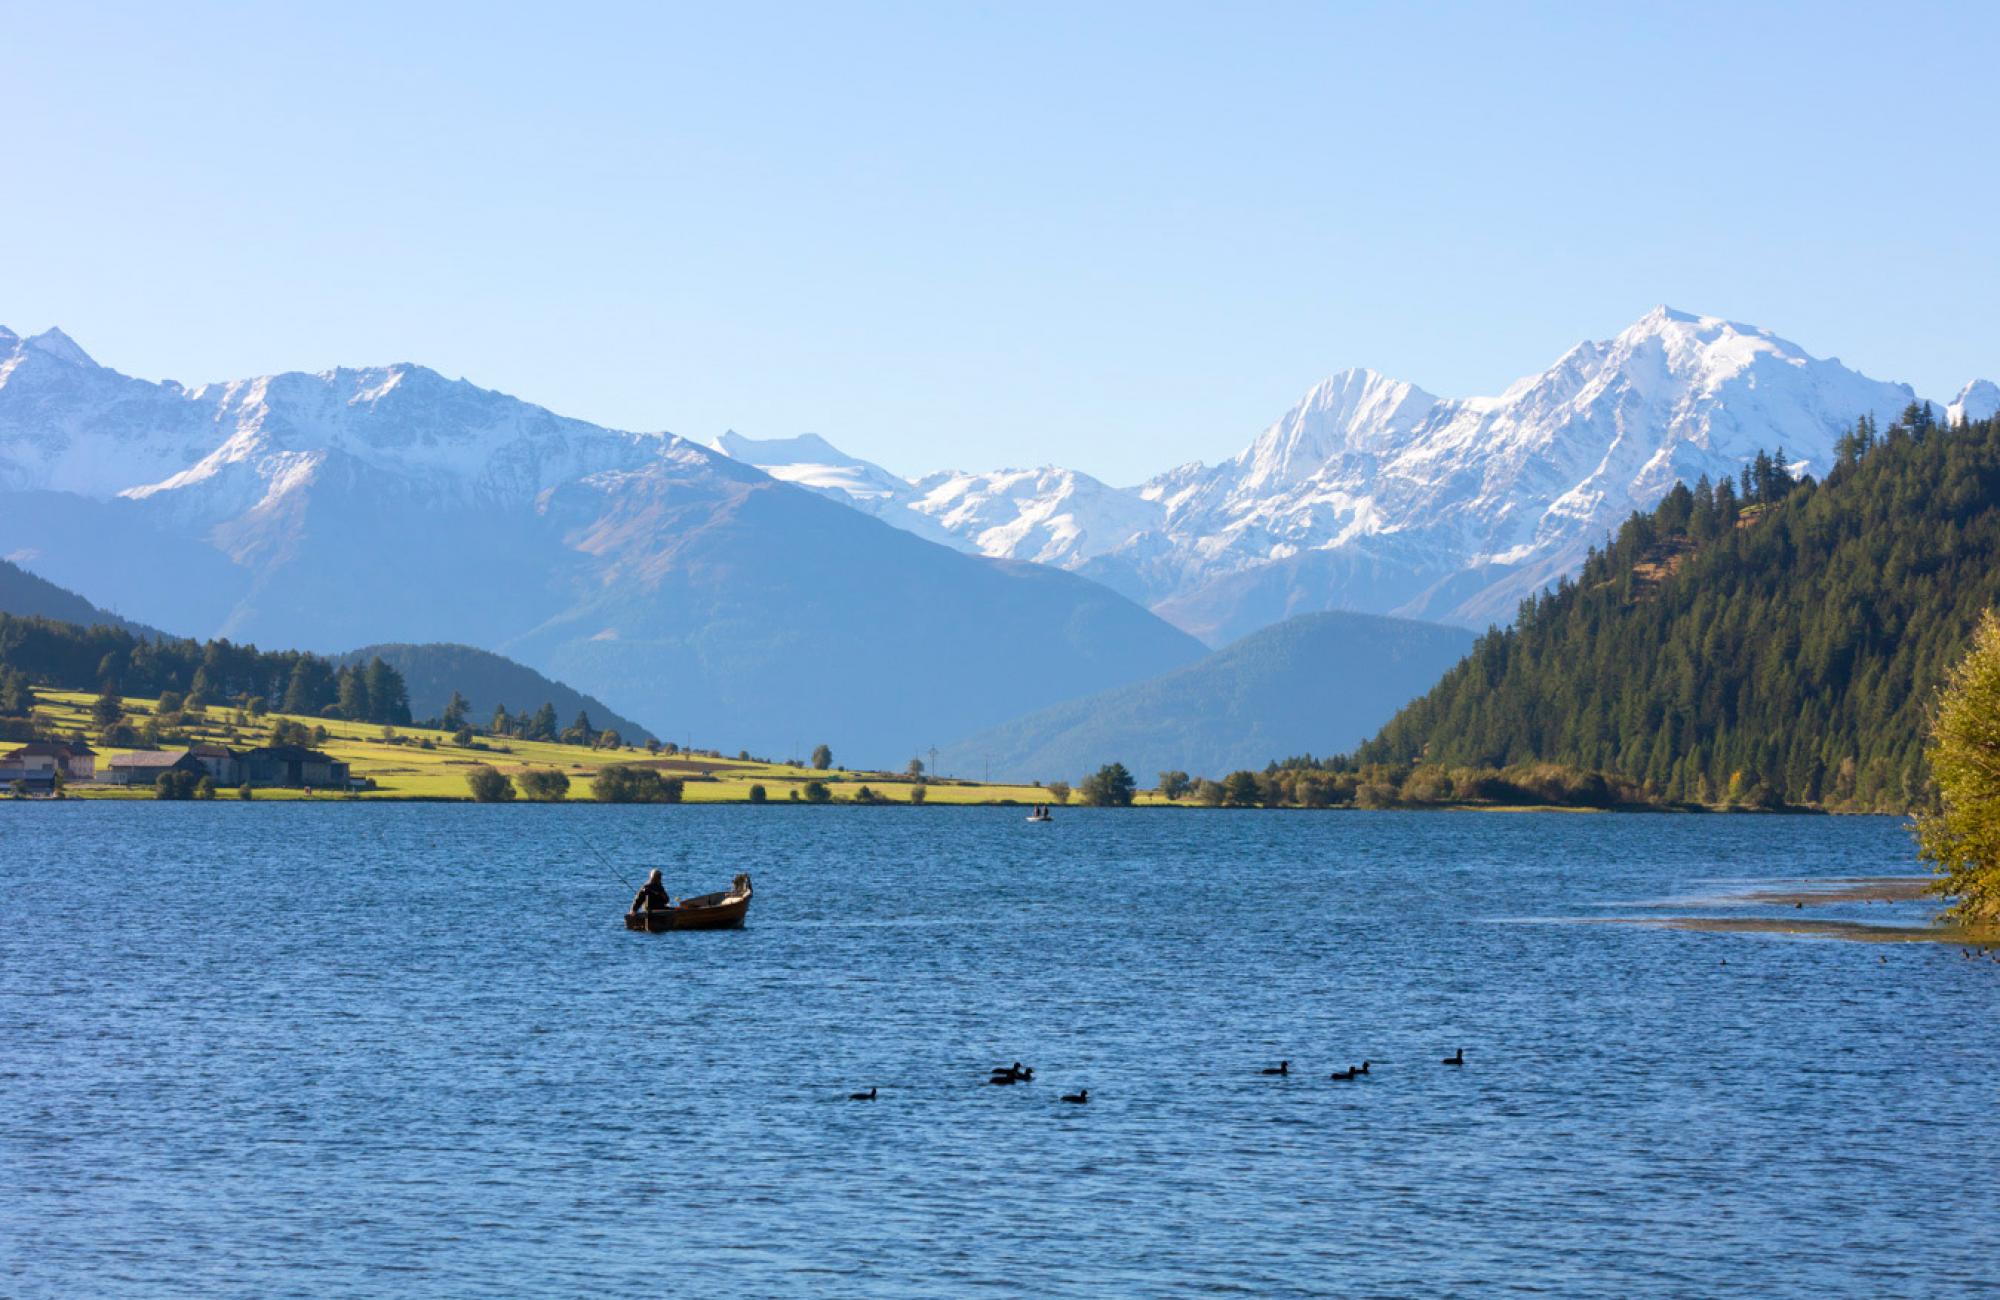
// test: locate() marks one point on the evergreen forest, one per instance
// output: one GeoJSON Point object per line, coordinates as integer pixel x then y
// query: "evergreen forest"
{"type": "Point", "coordinates": [1773, 640]}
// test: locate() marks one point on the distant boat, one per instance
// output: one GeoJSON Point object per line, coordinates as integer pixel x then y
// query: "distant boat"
{"type": "Point", "coordinates": [1040, 817]}
{"type": "Point", "coordinates": [720, 911]}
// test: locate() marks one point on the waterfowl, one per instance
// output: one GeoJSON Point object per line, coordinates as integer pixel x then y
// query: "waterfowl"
{"type": "Point", "coordinates": [1345, 1076]}
{"type": "Point", "coordinates": [1080, 1097]}
{"type": "Point", "coordinates": [1363, 1069]}
{"type": "Point", "coordinates": [1000, 1080]}
{"type": "Point", "coordinates": [1457, 1058]}
{"type": "Point", "coordinates": [862, 1096]}
{"type": "Point", "coordinates": [1014, 1072]}
{"type": "Point", "coordinates": [1282, 1067]}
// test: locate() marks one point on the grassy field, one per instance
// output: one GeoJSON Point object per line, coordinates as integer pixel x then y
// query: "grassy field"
{"type": "Point", "coordinates": [402, 768]}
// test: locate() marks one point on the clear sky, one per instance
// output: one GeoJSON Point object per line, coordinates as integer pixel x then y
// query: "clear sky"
{"type": "Point", "coordinates": [1115, 237]}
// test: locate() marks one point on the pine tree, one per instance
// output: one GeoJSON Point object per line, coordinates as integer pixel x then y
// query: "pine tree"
{"type": "Point", "coordinates": [352, 691]}
{"type": "Point", "coordinates": [388, 697]}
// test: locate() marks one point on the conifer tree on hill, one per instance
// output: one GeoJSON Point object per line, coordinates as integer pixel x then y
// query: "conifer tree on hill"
{"type": "Point", "coordinates": [1780, 646]}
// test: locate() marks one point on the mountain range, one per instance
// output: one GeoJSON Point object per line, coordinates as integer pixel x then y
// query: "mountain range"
{"type": "Point", "coordinates": [773, 594]}
{"type": "Point", "coordinates": [716, 604]}
{"type": "Point", "coordinates": [1372, 494]}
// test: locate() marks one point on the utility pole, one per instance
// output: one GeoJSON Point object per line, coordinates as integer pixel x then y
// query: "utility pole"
{"type": "Point", "coordinates": [933, 769]}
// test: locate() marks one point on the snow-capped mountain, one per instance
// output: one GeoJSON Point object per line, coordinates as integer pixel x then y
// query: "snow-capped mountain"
{"type": "Point", "coordinates": [1372, 494]}
{"type": "Point", "coordinates": [1978, 400]}
{"type": "Point", "coordinates": [810, 461]}
{"type": "Point", "coordinates": [1050, 516]}
{"type": "Point", "coordinates": [1508, 486]}
{"type": "Point", "coordinates": [680, 585]}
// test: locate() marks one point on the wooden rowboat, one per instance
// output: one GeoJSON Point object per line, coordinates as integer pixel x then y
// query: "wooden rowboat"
{"type": "Point", "coordinates": [721, 911]}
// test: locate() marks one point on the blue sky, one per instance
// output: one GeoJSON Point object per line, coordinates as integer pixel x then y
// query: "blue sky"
{"type": "Point", "coordinates": [1115, 237]}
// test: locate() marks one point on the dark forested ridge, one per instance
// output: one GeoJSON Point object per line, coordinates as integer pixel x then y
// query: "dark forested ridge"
{"type": "Point", "coordinates": [486, 681]}
{"type": "Point", "coordinates": [1776, 640]}
{"type": "Point", "coordinates": [22, 592]}
{"type": "Point", "coordinates": [69, 656]}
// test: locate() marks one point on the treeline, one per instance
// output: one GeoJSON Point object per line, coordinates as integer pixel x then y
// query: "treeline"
{"type": "Point", "coordinates": [1770, 641]}
{"type": "Point", "coordinates": [69, 656]}
{"type": "Point", "coordinates": [193, 675]}
{"type": "Point", "coordinates": [539, 725]}
{"type": "Point", "coordinates": [1305, 782]}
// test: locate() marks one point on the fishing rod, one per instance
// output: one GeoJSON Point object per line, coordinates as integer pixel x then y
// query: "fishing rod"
{"type": "Point", "coordinates": [606, 861]}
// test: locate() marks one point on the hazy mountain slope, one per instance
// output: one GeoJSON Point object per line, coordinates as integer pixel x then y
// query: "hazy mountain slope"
{"type": "Point", "coordinates": [1317, 683]}
{"type": "Point", "coordinates": [390, 504]}
{"type": "Point", "coordinates": [811, 462]}
{"type": "Point", "coordinates": [852, 632]}
{"type": "Point", "coordinates": [22, 593]}
{"type": "Point", "coordinates": [1795, 648]}
{"type": "Point", "coordinates": [432, 672]}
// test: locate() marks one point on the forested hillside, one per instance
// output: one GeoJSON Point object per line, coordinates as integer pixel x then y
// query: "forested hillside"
{"type": "Point", "coordinates": [22, 592]}
{"type": "Point", "coordinates": [1768, 641]}
{"type": "Point", "coordinates": [47, 652]}
{"type": "Point", "coordinates": [485, 681]}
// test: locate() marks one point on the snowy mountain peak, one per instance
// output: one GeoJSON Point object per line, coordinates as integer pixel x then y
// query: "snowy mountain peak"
{"type": "Point", "coordinates": [1978, 400]}
{"type": "Point", "coordinates": [60, 346]}
{"type": "Point", "coordinates": [1353, 411]}
{"type": "Point", "coordinates": [805, 449]}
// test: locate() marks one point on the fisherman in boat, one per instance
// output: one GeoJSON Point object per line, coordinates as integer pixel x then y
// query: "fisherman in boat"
{"type": "Point", "coordinates": [652, 896]}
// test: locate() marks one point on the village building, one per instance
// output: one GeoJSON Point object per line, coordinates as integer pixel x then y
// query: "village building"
{"type": "Point", "coordinates": [293, 766]}
{"type": "Point", "coordinates": [222, 764]}
{"type": "Point", "coordinates": [143, 767]}
{"type": "Point", "coordinates": [36, 764]}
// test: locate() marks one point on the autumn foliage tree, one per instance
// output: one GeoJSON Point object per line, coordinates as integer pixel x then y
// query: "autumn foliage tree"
{"type": "Point", "coordinates": [1960, 837]}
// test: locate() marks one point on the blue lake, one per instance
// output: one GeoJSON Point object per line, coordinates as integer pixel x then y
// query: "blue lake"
{"type": "Point", "coordinates": [269, 1050]}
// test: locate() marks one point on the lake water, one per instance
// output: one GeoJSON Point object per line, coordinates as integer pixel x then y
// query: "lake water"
{"type": "Point", "coordinates": [268, 1050]}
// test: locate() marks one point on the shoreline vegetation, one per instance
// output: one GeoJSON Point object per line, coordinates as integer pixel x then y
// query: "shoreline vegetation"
{"type": "Point", "coordinates": [432, 764]}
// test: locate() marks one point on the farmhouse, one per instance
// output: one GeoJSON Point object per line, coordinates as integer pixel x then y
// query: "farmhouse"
{"type": "Point", "coordinates": [37, 763]}
{"type": "Point", "coordinates": [220, 762]}
{"type": "Point", "coordinates": [143, 767]}
{"type": "Point", "coordinates": [293, 765]}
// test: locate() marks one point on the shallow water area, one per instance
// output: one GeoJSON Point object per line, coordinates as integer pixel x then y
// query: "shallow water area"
{"type": "Point", "coordinates": [291, 1050]}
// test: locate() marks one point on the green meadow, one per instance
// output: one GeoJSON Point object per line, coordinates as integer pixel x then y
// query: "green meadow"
{"type": "Point", "coordinates": [403, 767]}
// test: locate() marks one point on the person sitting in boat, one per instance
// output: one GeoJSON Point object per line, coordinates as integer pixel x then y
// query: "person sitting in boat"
{"type": "Point", "coordinates": [652, 896]}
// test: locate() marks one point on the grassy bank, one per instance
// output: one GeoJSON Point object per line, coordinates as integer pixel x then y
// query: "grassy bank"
{"type": "Point", "coordinates": [403, 767]}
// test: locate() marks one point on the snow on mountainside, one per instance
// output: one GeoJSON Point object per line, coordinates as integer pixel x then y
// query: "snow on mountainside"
{"type": "Point", "coordinates": [1050, 516]}
{"type": "Point", "coordinates": [1373, 495]}
{"type": "Point", "coordinates": [1978, 400]}
{"type": "Point", "coordinates": [1513, 483]}
{"type": "Point", "coordinates": [810, 461]}
{"type": "Point", "coordinates": [68, 424]}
